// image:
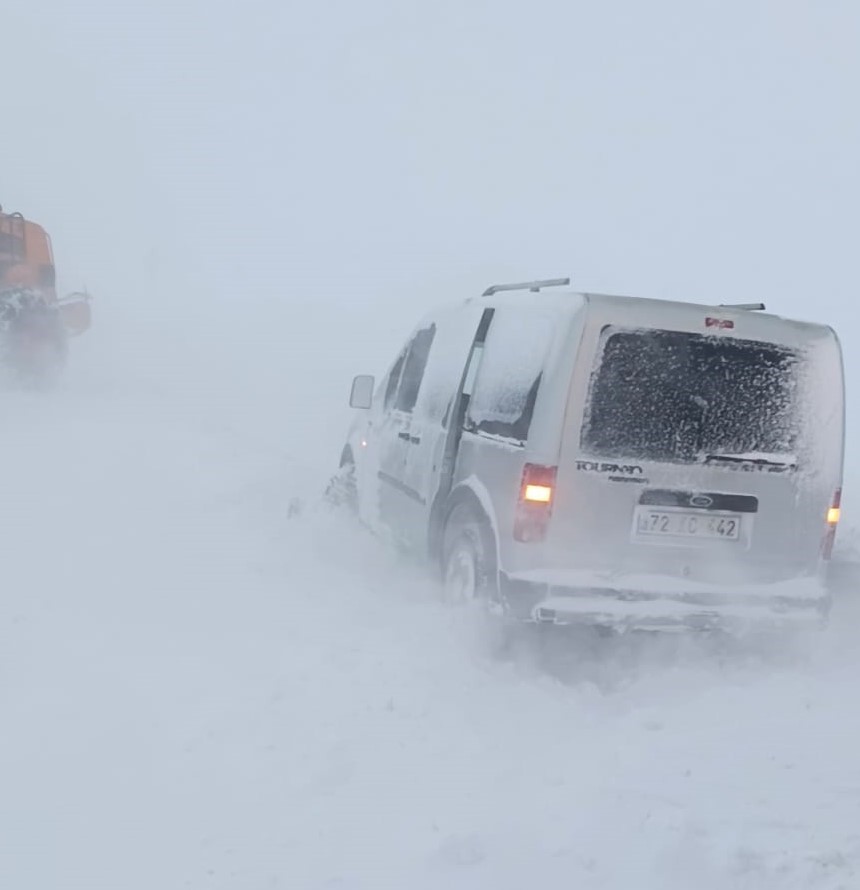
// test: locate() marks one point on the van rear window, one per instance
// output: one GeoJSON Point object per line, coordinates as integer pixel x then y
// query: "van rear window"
{"type": "Point", "coordinates": [677, 397]}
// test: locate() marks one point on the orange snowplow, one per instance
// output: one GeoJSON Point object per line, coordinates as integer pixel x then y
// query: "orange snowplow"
{"type": "Point", "coordinates": [35, 323]}
{"type": "Point", "coordinates": [27, 261]}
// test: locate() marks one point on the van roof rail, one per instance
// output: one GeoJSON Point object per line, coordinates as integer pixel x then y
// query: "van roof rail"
{"type": "Point", "coordinates": [751, 307]}
{"type": "Point", "coordinates": [533, 286]}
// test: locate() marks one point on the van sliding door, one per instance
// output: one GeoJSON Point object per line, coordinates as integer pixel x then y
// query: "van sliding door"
{"type": "Point", "coordinates": [436, 421]}
{"type": "Point", "coordinates": [395, 435]}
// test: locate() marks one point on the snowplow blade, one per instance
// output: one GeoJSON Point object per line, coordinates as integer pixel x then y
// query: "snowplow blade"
{"type": "Point", "coordinates": [75, 313]}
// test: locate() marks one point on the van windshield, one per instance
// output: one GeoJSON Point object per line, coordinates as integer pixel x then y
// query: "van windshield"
{"type": "Point", "coordinates": [677, 397]}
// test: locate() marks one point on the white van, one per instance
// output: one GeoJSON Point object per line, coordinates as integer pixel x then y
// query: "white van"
{"type": "Point", "coordinates": [623, 462]}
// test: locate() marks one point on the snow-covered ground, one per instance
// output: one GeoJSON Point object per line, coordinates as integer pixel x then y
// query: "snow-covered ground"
{"type": "Point", "coordinates": [199, 690]}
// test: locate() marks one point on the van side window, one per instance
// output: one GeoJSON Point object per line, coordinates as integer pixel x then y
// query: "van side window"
{"type": "Point", "coordinates": [456, 332]}
{"type": "Point", "coordinates": [393, 380]}
{"type": "Point", "coordinates": [510, 373]}
{"type": "Point", "coordinates": [413, 369]}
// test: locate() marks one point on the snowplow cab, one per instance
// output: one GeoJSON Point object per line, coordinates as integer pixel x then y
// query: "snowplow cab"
{"type": "Point", "coordinates": [26, 257]}
{"type": "Point", "coordinates": [27, 261]}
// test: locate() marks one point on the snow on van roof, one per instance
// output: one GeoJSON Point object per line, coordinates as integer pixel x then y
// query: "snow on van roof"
{"type": "Point", "coordinates": [649, 311]}
{"type": "Point", "coordinates": [724, 318]}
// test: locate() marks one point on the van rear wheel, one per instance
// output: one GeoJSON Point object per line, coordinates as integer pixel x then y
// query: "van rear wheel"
{"type": "Point", "coordinates": [468, 559]}
{"type": "Point", "coordinates": [470, 579]}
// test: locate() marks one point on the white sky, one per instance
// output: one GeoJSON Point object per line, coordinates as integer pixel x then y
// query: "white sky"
{"type": "Point", "coordinates": [374, 158]}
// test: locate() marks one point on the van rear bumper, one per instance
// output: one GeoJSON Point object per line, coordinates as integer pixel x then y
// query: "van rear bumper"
{"type": "Point", "coordinates": [664, 604]}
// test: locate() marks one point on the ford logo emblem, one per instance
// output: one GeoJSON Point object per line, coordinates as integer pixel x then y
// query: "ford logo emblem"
{"type": "Point", "coordinates": [701, 500]}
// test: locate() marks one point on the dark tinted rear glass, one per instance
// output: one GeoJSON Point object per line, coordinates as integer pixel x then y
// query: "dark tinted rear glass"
{"type": "Point", "coordinates": [680, 397]}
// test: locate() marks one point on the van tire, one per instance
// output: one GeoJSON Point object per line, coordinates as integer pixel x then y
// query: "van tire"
{"type": "Point", "coordinates": [342, 490]}
{"type": "Point", "coordinates": [469, 557]}
{"type": "Point", "coordinates": [469, 573]}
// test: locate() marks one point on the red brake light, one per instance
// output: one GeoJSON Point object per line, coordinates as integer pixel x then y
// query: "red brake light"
{"type": "Point", "coordinates": [534, 506]}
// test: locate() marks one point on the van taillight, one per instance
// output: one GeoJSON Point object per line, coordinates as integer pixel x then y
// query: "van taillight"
{"type": "Point", "coordinates": [534, 505]}
{"type": "Point", "coordinates": [833, 514]}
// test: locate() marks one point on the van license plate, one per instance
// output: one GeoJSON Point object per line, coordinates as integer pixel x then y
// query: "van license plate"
{"type": "Point", "coordinates": [671, 524]}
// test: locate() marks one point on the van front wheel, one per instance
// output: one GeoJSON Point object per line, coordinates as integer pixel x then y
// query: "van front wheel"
{"type": "Point", "coordinates": [468, 559]}
{"type": "Point", "coordinates": [342, 489]}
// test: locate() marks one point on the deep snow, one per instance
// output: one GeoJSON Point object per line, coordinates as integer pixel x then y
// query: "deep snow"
{"type": "Point", "coordinates": [200, 690]}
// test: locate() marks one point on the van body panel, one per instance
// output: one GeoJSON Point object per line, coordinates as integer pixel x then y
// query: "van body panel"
{"type": "Point", "coordinates": [598, 494]}
{"type": "Point", "coordinates": [498, 459]}
{"type": "Point", "coordinates": [593, 546]}
{"type": "Point", "coordinates": [431, 424]}
{"type": "Point", "coordinates": [683, 536]}
{"type": "Point", "coordinates": [397, 449]}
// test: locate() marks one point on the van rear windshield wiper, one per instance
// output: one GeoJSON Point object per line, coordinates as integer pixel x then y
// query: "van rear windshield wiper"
{"type": "Point", "coordinates": [749, 459]}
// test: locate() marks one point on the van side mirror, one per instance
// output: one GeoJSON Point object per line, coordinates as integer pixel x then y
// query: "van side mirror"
{"type": "Point", "coordinates": [362, 391]}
